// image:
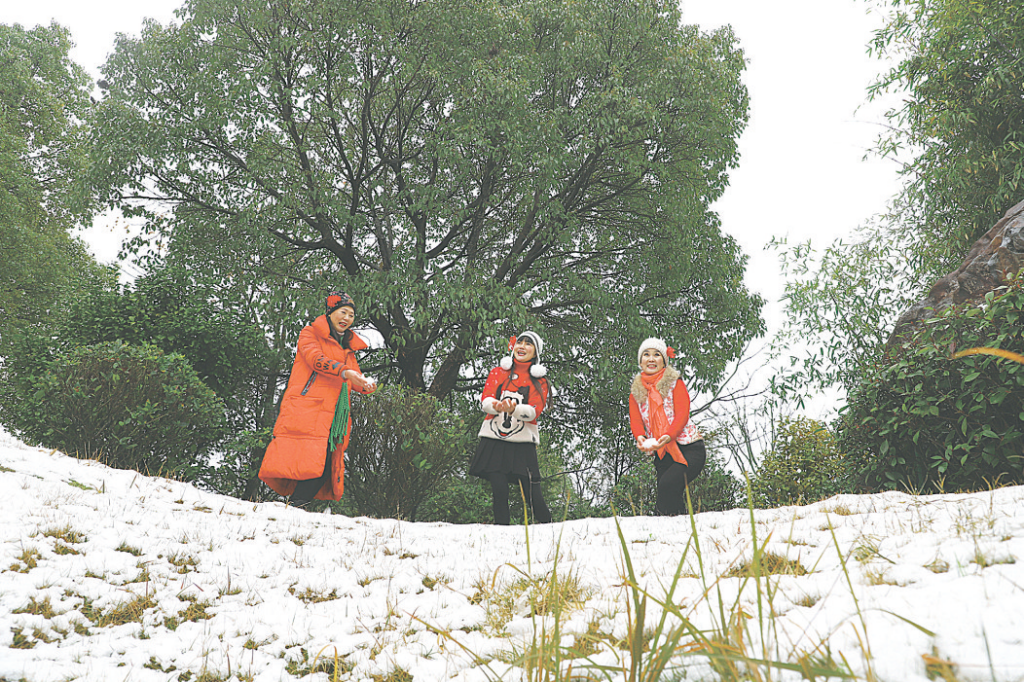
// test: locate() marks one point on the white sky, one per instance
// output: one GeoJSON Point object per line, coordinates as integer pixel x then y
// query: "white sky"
{"type": "Point", "coordinates": [802, 169]}
{"type": "Point", "coordinates": [803, 172]}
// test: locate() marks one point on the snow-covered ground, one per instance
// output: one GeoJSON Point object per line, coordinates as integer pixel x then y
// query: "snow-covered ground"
{"type": "Point", "coordinates": [110, 575]}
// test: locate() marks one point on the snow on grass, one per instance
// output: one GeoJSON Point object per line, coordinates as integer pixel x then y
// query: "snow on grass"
{"type": "Point", "coordinates": [112, 575]}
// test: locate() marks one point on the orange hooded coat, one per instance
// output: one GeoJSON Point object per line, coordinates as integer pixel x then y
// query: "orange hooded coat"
{"type": "Point", "coordinates": [299, 447]}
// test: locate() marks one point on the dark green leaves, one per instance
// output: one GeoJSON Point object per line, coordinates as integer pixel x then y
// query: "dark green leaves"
{"type": "Point", "coordinates": [925, 420]}
{"type": "Point", "coordinates": [131, 407]}
{"type": "Point", "coordinates": [960, 77]}
{"type": "Point", "coordinates": [43, 102]}
{"type": "Point", "coordinates": [464, 170]}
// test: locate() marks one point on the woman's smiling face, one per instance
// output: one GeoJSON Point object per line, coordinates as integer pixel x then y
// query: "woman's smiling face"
{"type": "Point", "coordinates": [524, 350]}
{"type": "Point", "coordinates": [651, 361]}
{"type": "Point", "coordinates": [342, 318]}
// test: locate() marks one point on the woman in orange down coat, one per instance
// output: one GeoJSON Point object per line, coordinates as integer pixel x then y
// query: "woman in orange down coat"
{"type": "Point", "coordinates": [306, 457]}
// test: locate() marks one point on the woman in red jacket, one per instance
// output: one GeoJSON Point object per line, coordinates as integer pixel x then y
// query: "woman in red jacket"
{"type": "Point", "coordinates": [306, 457]}
{"type": "Point", "coordinates": [515, 394]}
{"type": "Point", "coordinates": [659, 416]}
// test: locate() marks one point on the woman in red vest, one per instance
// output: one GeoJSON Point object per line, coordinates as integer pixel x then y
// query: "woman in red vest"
{"type": "Point", "coordinates": [306, 457]}
{"type": "Point", "coordinates": [513, 398]}
{"type": "Point", "coordinates": [659, 416]}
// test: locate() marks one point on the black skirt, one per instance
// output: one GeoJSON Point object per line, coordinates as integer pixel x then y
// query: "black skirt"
{"type": "Point", "coordinates": [512, 459]}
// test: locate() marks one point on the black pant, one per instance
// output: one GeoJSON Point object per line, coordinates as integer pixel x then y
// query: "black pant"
{"type": "Point", "coordinates": [307, 489]}
{"type": "Point", "coordinates": [673, 478]}
{"type": "Point", "coordinates": [529, 489]}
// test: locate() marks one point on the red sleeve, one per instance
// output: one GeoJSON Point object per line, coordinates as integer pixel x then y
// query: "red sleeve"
{"type": "Point", "coordinates": [681, 406]}
{"type": "Point", "coordinates": [310, 349]}
{"type": "Point", "coordinates": [636, 422]}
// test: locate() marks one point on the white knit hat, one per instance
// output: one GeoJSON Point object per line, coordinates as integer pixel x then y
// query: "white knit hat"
{"type": "Point", "coordinates": [658, 345]}
{"type": "Point", "coordinates": [537, 370]}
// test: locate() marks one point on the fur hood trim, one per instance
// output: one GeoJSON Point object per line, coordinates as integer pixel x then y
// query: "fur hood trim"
{"type": "Point", "coordinates": [665, 385]}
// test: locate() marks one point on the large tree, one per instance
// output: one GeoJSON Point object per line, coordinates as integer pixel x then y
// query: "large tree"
{"type": "Point", "coordinates": [463, 168]}
{"type": "Point", "coordinates": [43, 100]}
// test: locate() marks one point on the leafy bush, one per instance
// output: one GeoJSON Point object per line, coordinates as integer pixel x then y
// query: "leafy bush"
{"type": "Point", "coordinates": [462, 499]}
{"type": "Point", "coordinates": [227, 350]}
{"type": "Point", "coordinates": [238, 464]}
{"type": "Point", "coordinates": [715, 489]}
{"type": "Point", "coordinates": [132, 407]}
{"type": "Point", "coordinates": [635, 494]}
{"type": "Point", "coordinates": [804, 465]}
{"type": "Point", "coordinates": [926, 421]}
{"type": "Point", "coordinates": [167, 309]}
{"type": "Point", "coordinates": [404, 444]}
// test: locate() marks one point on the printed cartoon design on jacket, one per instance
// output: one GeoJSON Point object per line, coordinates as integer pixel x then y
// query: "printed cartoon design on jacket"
{"type": "Point", "coordinates": [530, 398]}
{"type": "Point", "coordinates": [507, 424]}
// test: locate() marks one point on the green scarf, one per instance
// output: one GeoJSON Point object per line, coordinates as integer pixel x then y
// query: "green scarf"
{"type": "Point", "coordinates": [340, 424]}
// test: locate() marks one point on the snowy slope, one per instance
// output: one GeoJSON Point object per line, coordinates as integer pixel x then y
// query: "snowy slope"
{"type": "Point", "coordinates": [213, 588]}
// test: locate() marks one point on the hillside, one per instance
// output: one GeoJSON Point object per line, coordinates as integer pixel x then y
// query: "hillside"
{"type": "Point", "coordinates": [111, 575]}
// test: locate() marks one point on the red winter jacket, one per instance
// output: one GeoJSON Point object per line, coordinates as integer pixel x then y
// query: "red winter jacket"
{"type": "Point", "coordinates": [299, 447]}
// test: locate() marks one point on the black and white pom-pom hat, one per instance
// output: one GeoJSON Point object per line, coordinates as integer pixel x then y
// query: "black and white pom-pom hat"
{"type": "Point", "coordinates": [537, 370]}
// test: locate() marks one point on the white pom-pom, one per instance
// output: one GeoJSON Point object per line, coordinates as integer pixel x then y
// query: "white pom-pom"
{"type": "Point", "coordinates": [538, 371]}
{"type": "Point", "coordinates": [650, 443]}
{"type": "Point", "coordinates": [371, 381]}
{"type": "Point", "coordinates": [506, 363]}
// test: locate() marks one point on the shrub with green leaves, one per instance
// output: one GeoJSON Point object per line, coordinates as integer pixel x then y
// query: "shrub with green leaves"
{"type": "Point", "coordinates": [168, 308]}
{"type": "Point", "coordinates": [165, 309]}
{"type": "Point", "coordinates": [715, 489]}
{"type": "Point", "coordinates": [924, 420]}
{"type": "Point", "coordinates": [132, 407]}
{"type": "Point", "coordinates": [404, 444]}
{"type": "Point", "coordinates": [804, 465]}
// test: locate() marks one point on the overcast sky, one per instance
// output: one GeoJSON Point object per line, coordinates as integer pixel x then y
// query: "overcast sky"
{"type": "Point", "coordinates": [802, 170]}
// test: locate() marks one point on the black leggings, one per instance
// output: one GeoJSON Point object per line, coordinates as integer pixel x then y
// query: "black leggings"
{"type": "Point", "coordinates": [307, 489]}
{"type": "Point", "coordinates": [531, 490]}
{"type": "Point", "coordinates": [673, 478]}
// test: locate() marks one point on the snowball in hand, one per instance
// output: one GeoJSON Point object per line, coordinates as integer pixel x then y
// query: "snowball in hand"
{"type": "Point", "coordinates": [650, 443]}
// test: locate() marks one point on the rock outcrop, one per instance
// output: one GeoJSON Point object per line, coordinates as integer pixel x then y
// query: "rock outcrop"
{"type": "Point", "coordinates": [992, 258]}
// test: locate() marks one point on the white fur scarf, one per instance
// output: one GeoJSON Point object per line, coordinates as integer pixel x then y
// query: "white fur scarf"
{"type": "Point", "coordinates": [665, 385]}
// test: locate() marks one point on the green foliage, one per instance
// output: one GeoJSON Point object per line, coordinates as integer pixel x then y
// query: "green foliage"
{"type": "Point", "coordinates": [715, 489]}
{"type": "Point", "coordinates": [132, 407]}
{"type": "Point", "coordinates": [163, 309]}
{"type": "Point", "coordinates": [462, 169]}
{"type": "Point", "coordinates": [840, 306]}
{"type": "Point", "coordinates": [923, 420]}
{"type": "Point", "coordinates": [43, 101]}
{"type": "Point", "coordinates": [403, 444]}
{"type": "Point", "coordinates": [635, 493]}
{"type": "Point", "coordinates": [959, 74]}
{"type": "Point", "coordinates": [804, 465]}
{"type": "Point", "coordinates": [462, 499]}
{"type": "Point", "coordinates": [958, 131]}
